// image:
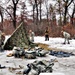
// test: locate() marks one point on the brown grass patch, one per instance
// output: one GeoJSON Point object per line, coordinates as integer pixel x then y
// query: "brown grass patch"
{"type": "Point", "coordinates": [44, 46]}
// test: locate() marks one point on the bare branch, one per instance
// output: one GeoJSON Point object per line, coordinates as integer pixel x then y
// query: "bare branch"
{"type": "Point", "coordinates": [70, 2]}
{"type": "Point", "coordinates": [7, 12]}
{"type": "Point", "coordinates": [15, 2]}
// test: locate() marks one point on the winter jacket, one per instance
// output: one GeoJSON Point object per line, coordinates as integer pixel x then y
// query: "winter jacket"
{"type": "Point", "coordinates": [46, 32]}
{"type": "Point", "coordinates": [66, 35]}
{"type": "Point", "coordinates": [31, 36]}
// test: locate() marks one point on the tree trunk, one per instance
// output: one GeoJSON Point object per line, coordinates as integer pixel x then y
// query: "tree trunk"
{"type": "Point", "coordinates": [37, 12]}
{"type": "Point", "coordinates": [65, 20]}
{"type": "Point", "coordinates": [40, 11]}
{"type": "Point", "coordinates": [2, 21]}
{"type": "Point", "coordinates": [33, 13]}
{"type": "Point", "coordinates": [14, 16]}
{"type": "Point", "coordinates": [73, 15]}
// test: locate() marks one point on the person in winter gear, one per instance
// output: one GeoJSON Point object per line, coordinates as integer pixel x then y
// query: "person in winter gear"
{"type": "Point", "coordinates": [31, 35]}
{"type": "Point", "coordinates": [0, 38]}
{"type": "Point", "coordinates": [46, 34]}
{"type": "Point", "coordinates": [66, 36]}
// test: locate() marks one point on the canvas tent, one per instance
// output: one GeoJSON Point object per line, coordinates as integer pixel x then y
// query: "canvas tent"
{"type": "Point", "coordinates": [18, 38]}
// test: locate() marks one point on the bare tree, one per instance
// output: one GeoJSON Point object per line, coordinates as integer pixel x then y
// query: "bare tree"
{"type": "Point", "coordinates": [47, 9]}
{"type": "Point", "coordinates": [15, 2]}
{"type": "Point", "coordinates": [1, 14]}
{"type": "Point", "coordinates": [59, 10]}
{"type": "Point", "coordinates": [23, 11]}
{"type": "Point", "coordinates": [36, 4]}
{"type": "Point", "coordinates": [73, 14]}
{"type": "Point", "coordinates": [32, 3]}
{"type": "Point", "coordinates": [11, 10]}
{"type": "Point", "coordinates": [66, 5]}
{"type": "Point", "coordinates": [40, 9]}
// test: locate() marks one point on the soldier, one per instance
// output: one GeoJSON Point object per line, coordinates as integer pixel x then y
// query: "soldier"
{"type": "Point", "coordinates": [31, 35]}
{"type": "Point", "coordinates": [2, 40]}
{"type": "Point", "coordinates": [46, 34]}
{"type": "Point", "coordinates": [66, 36]}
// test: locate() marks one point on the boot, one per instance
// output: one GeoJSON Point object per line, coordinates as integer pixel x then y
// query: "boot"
{"type": "Point", "coordinates": [64, 43]}
{"type": "Point", "coordinates": [68, 42]}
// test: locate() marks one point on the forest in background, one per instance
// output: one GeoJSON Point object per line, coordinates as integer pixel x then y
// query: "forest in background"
{"type": "Point", "coordinates": [43, 13]}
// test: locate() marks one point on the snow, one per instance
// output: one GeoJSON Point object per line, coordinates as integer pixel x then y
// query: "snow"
{"type": "Point", "coordinates": [7, 37]}
{"type": "Point", "coordinates": [54, 43]}
{"type": "Point", "coordinates": [57, 43]}
{"type": "Point", "coordinates": [52, 74]}
{"type": "Point", "coordinates": [63, 66]}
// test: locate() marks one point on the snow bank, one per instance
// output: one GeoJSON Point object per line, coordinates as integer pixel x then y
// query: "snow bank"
{"type": "Point", "coordinates": [52, 74]}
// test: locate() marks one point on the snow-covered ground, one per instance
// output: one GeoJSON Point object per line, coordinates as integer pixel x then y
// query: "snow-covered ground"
{"type": "Point", "coordinates": [63, 66]}
{"type": "Point", "coordinates": [57, 43]}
